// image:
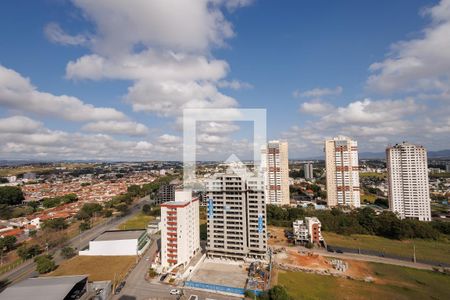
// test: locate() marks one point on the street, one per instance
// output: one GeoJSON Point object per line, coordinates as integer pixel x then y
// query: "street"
{"type": "Point", "coordinates": [370, 258]}
{"type": "Point", "coordinates": [137, 288]}
{"type": "Point", "coordinates": [28, 268]}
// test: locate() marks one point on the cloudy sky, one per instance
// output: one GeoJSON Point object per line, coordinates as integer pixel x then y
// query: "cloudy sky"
{"type": "Point", "coordinates": [109, 79]}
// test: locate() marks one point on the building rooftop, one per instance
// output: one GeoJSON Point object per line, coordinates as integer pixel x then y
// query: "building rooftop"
{"type": "Point", "coordinates": [42, 288]}
{"type": "Point", "coordinates": [113, 235]}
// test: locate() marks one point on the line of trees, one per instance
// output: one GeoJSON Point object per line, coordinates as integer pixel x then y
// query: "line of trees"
{"type": "Point", "coordinates": [56, 201]}
{"type": "Point", "coordinates": [360, 221]}
{"type": "Point", "coordinates": [11, 195]}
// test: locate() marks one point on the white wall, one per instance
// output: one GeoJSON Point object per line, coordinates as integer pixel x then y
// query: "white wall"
{"type": "Point", "coordinates": [112, 248]}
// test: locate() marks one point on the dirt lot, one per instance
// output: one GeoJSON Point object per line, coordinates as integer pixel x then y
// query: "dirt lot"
{"type": "Point", "coordinates": [307, 260]}
{"type": "Point", "coordinates": [96, 267]}
{"type": "Point", "coordinates": [277, 236]}
{"type": "Point", "coordinates": [356, 269]}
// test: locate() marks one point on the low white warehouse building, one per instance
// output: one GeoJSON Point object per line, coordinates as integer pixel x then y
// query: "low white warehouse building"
{"type": "Point", "coordinates": [118, 243]}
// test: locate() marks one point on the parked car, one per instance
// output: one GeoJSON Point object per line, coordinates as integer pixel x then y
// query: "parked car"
{"type": "Point", "coordinates": [339, 251]}
{"type": "Point", "coordinates": [175, 292]}
{"type": "Point", "coordinates": [193, 297]}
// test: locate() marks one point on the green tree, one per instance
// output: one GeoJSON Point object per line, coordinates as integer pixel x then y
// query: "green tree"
{"type": "Point", "coordinates": [107, 213]}
{"type": "Point", "coordinates": [9, 242]}
{"type": "Point", "coordinates": [44, 264]}
{"type": "Point", "coordinates": [134, 190]}
{"type": "Point", "coordinates": [25, 252]}
{"type": "Point", "coordinates": [67, 252]}
{"type": "Point", "coordinates": [147, 209]}
{"type": "Point", "coordinates": [84, 226]}
{"type": "Point", "coordinates": [203, 232]}
{"type": "Point", "coordinates": [69, 198]}
{"type": "Point", "coordinates": [88, 210]}
{"type": "Point", "coordinates": [34, 205]}
{"type": "Point", "coordinates": [11, 195]}
{"type": "Point", "coordinates": [122, 207]}
{"type": "Point", "coordinates": [51, 202]}
{"type": "Point", "coordinates": [55, 224]}
{"type": "Point", "coordinates": [5, 211]}
{"type": "Point", "coordinates": [278, 292]}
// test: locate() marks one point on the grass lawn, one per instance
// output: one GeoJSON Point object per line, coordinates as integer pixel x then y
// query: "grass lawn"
{"type": "Point", "coordinates": [139, 221]}
{"type": "Point", "coordinates": [391, 282]}
{"type": "Point", "coordinates": [372, 174]}
{"type": "Point", "coordinates": [96, 267]}
{"type": "Point", "coordinates": [438, 251]}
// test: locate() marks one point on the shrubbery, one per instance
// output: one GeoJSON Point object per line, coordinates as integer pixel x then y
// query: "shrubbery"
{"type": "Point", "coordinates": [360, 221]}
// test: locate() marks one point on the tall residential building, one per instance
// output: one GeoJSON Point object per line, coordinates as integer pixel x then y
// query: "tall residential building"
{"type": "Point", "coordinates": [409, 193]}
{"type": "Point", "coordinates": [341, 161]}
{"type": "Point", "coordinates": [236, 217]}
{"type": "Point", "coordinates": [180, 233]}
{"type": "Point", "coordinates": [308, 170]}
{"type": "Point", "coordinates": [275, 165]}
{"type": "Point", "coordinates": [166, 192]}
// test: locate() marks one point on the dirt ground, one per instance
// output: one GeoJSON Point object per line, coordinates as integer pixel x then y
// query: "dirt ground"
{"type": "Point", "coordinates": [306, 259]}
{"type": "Point", "coordinates": [356, 269]}
{"type": "Point", "coordinates": [277, 236]}
{"type": "Point", "coordinates": [96, 267]}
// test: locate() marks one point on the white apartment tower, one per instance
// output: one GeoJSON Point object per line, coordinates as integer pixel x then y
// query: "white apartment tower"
{"type": "Point", "coordinates": [409, 193]}
{"type": "Point", "coordinates": [236, 217]}
{"type": "Point", "coordinates": [180, 232]}
{"type": "Point", "coordinates": [308, 170]}
{"type": "Point", "coordinates": [341, 161]}
{"type": "Point", "coordinates": [275, 164]}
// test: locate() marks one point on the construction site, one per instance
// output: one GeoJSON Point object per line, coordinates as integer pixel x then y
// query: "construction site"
{"type": "Point", "coordinates": [293, 259]}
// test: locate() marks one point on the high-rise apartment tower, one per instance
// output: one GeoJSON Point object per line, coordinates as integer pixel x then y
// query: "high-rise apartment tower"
{"type": "Point", "coordinates": [341, 161]}
{"type": "Point", "coordinates": [275, 164]}
{"type": "Point", "coordinates": [409, 194]}
{"type": "Point", "coordinates": [236, 217]}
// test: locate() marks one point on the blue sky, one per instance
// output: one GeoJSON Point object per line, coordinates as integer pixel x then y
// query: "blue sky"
{"type": "Point", "coordinates": [104, 80]}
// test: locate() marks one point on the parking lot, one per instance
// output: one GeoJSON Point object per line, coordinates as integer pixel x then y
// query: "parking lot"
{"type": "Point", "coordinates": [221, 273]}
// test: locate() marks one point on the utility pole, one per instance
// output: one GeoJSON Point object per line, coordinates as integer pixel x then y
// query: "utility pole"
{"type": "Point", "coordinates": [414, 249]}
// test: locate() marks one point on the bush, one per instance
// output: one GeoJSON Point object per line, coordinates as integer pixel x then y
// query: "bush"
{"type": "Point", "coordinates": [278, 292]}
{"type": "Point", "coordinates": [84, 226]}
{"type": "Point", "coordinates": [309, 245]}
{"type": "Point", "coordinates": [44, 264]}
{"type": "Point", "coordinates": [152, 273]}
{"type": "Point", "coordinates": [25, 252]}
{"type": "Point", "coordinates": [68, 252]}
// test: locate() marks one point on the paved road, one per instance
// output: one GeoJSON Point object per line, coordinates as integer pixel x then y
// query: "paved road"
{"type": "Point", "coordinates": [370, 258]}
{"type": "Point", "coordinates": [27, 269]}
{"type": "Point", "coordinates": [137, 288]}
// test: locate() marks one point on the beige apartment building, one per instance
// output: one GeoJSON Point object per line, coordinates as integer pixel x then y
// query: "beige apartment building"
{"type": "Point", "coordinates": [409, 194]}
{"type": "Point", "coordinates": [275, 166]}
{"type": "Point", "coordinates": [180, 233]}
{"type": "Point", "coordinates": [341, 162]}
{"type": "Point", "coordinates": [236, 217]}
